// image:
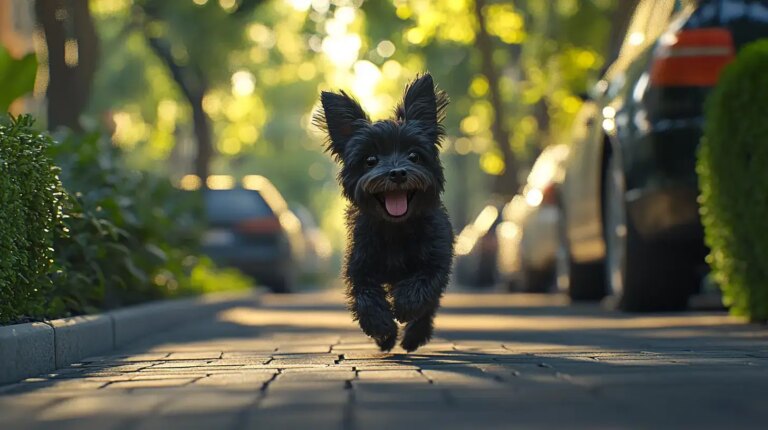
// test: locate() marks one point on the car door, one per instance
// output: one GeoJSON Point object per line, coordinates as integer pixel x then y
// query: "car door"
{"type": "Point", "coordinates": [584, 169]}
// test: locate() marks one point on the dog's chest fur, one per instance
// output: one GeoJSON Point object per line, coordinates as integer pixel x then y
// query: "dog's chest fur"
{"type": "Point", "coordinates": [392, 252]}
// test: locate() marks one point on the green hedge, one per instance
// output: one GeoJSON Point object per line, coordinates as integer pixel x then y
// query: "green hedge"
{"type": "Point", "coordinates": [129, 235]}
{"type": "Point", "coordinates": [112, 236]}
{"type": "Point", "coordinates": [30, 209]}
{"type": "Point", "coordinates": [733, 175]}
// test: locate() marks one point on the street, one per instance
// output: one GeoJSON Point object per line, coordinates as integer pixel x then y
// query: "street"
{"type": "Point", "coordinates": [499, 361]}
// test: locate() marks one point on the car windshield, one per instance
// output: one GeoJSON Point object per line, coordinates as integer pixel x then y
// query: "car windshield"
{"type": "Point", "coordinates": [230, 206]}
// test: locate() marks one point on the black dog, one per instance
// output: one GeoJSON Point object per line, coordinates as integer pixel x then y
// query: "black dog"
{"type": "Point", "coordinates": [400, 249]}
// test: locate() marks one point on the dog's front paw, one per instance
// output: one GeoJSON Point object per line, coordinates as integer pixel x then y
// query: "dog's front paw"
{"type": "Point", "coordinates": [384, 332]}
{"type": "Point", "coordinates": [387, 342]}
{"type": "Point", "coordinates": [381, 328]}
{"type": "Point", "coordinates": [409, 306]}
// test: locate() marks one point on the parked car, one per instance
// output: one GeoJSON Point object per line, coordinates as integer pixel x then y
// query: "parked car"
{"type": "Point", "coordinates": [630, 225]}
{"type": "Point", "coordinates": [318, 250]}
{"type": "Point", "coordinates": [476, 249]}
{"type": "Point", "coordinates": [527, 234]}
{"type": "Point", "coordinates": [252, 229]}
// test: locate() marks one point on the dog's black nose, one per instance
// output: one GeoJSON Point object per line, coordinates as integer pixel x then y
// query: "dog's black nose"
{"type": "Point", "coordinates": [398, 175]}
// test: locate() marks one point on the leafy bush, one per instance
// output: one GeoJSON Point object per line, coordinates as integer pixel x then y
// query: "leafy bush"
{"type": "Point", "coordinates": [115, 237]}
{"type": "Point", "coordinates": [30, 195]}
{"type": "Point", "coordinates": [732, 169]}
{"type": "Point", "coordinates": [128, 236]}
{"type": "Point", "coordinates": [17, 77]}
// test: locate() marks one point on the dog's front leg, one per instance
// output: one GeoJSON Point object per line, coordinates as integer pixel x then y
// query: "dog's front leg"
{"type": "Point", "coordinates": [369, 306]}
{"type": "Point", "coordinates": [418, 295]}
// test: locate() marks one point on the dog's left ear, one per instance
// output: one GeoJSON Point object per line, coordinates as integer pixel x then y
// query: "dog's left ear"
{"type": "Point", "coordinates": [341, 116]}
{"type": "Point", "coordinates": [426, 104]}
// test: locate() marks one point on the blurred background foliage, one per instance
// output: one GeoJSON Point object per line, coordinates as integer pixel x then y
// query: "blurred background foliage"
{"type": "Point", "coordinates": [229, 86]}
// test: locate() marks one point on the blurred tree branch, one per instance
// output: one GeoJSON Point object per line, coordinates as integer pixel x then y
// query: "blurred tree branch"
{"type": "Point", "coordinates": [192, 79]}
{"type": "Point", "coordinates": [193, 86]}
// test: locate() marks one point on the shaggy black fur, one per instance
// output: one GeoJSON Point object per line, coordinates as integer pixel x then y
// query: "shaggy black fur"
{"type": "Point", "coordinates": [397, 266]}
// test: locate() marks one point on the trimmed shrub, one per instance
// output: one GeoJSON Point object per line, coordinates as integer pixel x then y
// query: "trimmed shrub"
{"type": "Point", "coordinates": [30, 195]}
{"type": "Point", "coordinates": [733, 176]}
{"type": "Point", "coordinates": [128, 236]}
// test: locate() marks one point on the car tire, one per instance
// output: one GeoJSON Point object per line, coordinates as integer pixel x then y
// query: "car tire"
{"type": "Point", "coordinates": [284, 282]}
{"type": "Point", "coordinates": [581, 281]}
{"type": "Point", "coordinates": [536, 281]}
{"type": "Point", "coordinates": [641, 277]}
{"type": "Point", "coordinates": [484, 275]}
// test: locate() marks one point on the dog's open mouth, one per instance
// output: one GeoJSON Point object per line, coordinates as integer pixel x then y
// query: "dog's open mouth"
{"type": "Point", "coordinates": [396, 202]}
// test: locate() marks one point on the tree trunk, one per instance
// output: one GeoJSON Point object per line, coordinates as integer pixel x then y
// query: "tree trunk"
{"type": "Point", "coordinates": [202, 129]}
{"type": "Point", "coordinates": [68, 26]}
{"type": "Point", "coordinates": [505, 184]}
{"type": "Point", "coordinates": [193, 85]}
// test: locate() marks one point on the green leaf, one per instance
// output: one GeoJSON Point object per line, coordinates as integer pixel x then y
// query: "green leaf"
{"type": "Point", "coordinates": [17, 77]}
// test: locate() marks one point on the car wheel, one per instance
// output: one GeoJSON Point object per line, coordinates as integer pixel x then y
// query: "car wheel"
{"type": "Point", "coordinates": [581, 281]}
{"type": "Point", "coordinates": [639, 276]}
{"type": "Point", "coordinates": [284, 282]}
{"type": "Point", "coordinates": [536, 281]}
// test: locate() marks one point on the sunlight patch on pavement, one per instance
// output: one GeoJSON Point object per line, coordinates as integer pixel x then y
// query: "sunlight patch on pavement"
{"type": "Point", "coordinates": [476, 321]}
{"type": "Point", "coordinates": [303, 318]}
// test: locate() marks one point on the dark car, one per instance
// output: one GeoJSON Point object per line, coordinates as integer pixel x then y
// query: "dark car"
{"type": "Point", "coordinates": [477, 248]}
{"type": "Point", "coordinates": [630, 219]}
{"type": "Point", "coordinates": [252, 229]}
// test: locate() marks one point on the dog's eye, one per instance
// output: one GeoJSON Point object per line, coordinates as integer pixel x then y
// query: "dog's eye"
{"type": "Point", "coordinates": [414, 157]}
{"type": "Point", "coordinates": [371, 161]}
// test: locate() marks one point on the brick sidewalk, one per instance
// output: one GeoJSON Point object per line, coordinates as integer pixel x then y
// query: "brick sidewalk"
{"type": "Point", "coordinates": [500, 361]}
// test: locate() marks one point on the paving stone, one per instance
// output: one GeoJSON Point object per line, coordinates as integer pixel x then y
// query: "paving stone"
{"type": "Point", "coordinates": [284, 393]}
{"type": "Point", "coordinates": [304, 348]}
{"type": "Point", "coordinates": [296, 417]}
{"type": "Point", "coordinates": [317, 369]}
{"type": "Point", "coordinates": [279, 385]}
{"type": "Point", "coordinates": [252, 381]}
{"type": "Point", "coordinates": [100, 405]}
{"type": "Point", "coordinates": [256, 354]}
{"type": "Point", "coordinates": [365, 346]}
{"type": "Point", "coordinates": [371, 367]}
{"type": "Point", "coordinates": [278, 361]}
{"type": "Point", "coordinates": [400, 392]}
{"type": "Point", "coordinates": [181, 364]}
{"type": "Point", "coordinates": [391, 375]}
{"type": "Point", "coordinates": [241, 361]}
{"type": "Point", "coordinates": [151, 383]}
{"type": "Point", "coordinates": [191, 420]}
{"type": "Point", "coordinates": [460, 376]}
{"type": "Point", "coordinates": [323, 375]}
{"type": "Point", "coordinates": [367, 355]}
{"type": "Point", "coordinates": [200, 355]}
{"type": "Point", "coordinates": [198, 403]}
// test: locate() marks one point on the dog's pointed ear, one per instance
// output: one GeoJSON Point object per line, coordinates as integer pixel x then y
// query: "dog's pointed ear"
{"type": "Point", "coordinates": [340, 116]}
{"type": "Point", "coordinates": [424, 103]}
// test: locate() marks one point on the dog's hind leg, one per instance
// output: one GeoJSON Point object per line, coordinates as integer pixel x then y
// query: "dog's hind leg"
{"type": "Point", "coordinates": [418, 332]}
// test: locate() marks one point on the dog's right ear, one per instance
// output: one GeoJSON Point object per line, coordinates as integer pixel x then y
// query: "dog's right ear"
{"type": "Point", "coordinates": [340, 117]}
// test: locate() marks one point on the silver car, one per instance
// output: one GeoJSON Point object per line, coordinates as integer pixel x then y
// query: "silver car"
{"type": "Point", "coordinates": [527, 235]}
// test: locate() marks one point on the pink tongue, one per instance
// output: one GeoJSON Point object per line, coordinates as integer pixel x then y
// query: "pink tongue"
{"type": "Point", "coordinates": [396, 202]}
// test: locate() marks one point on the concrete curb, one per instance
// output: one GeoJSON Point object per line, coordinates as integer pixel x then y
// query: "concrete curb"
{"type": "Point", "coordinates": [28, 350]}
{"type": "Point", "coordinates": [79, 337]}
